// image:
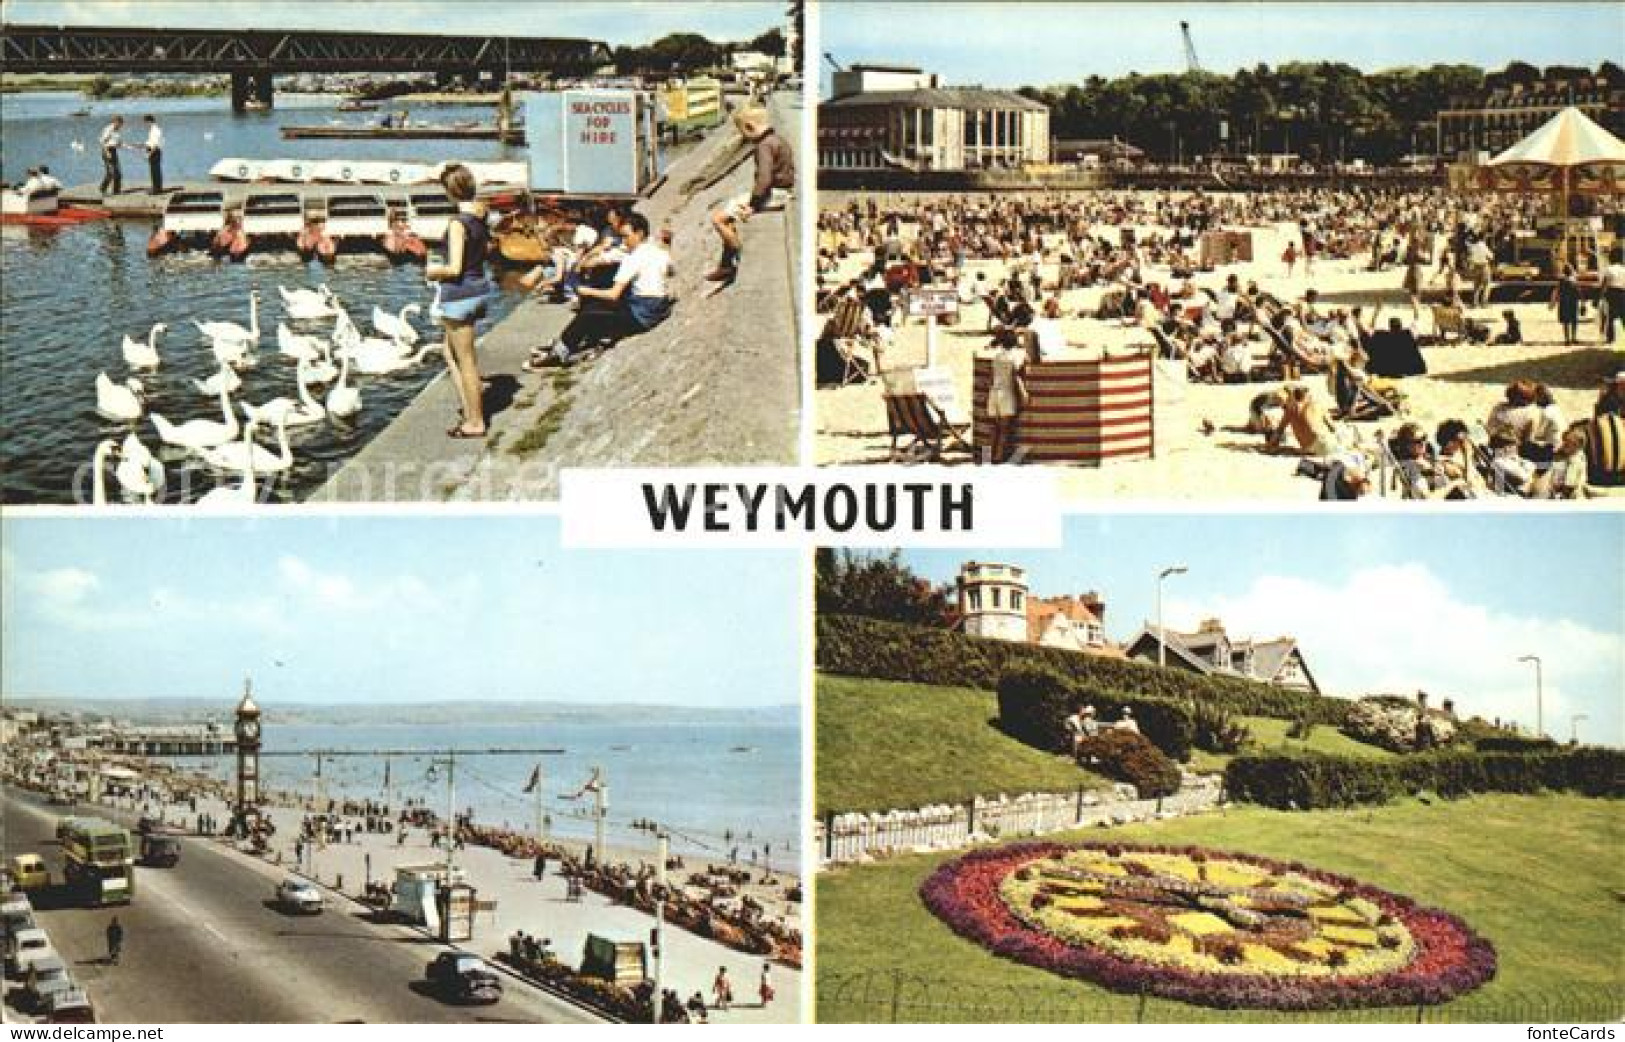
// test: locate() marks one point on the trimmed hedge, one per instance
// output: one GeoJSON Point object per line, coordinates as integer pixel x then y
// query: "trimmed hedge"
{"type": "Point", "coordinates": [1312, 781]}
{"type": "Point", "coordinates": [1034, 702]}
{"type": "Point", "coordinates": [862, 647]}
{"type": "Point", "coordinates": [1128, 757]}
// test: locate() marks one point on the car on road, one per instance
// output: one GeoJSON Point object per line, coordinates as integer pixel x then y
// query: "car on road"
{"type": "Point", "coordinates": [300, 896]}
{"type": "Point", "coordinates": [70, 1007]}
{"type": "Point", "coordinates": [24, 946]}
{"type": "Point", "coordinates": [160, 851]}
{"type": "Point", "coordinates": [47, 977]}
{"type": "Point", "coordinates": [29, 872]}
{"type": "Point", "coordinates": [15, 914]}
{"type": "Point", "coordinates": [463, 978]}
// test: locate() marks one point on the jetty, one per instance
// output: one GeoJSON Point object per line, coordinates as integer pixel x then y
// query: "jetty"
{"type": "Point", "coordinates": [410, 132]}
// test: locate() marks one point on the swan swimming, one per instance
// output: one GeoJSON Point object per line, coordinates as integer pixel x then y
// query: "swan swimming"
{"type": "Point", "coordinates": [231, 334]}
{"type": "Point", "coordinates": [198, 435]}
{"type": "Point", "coordinates": [143, 356]}
{"type": "Point", "coordinates": [308, 304]}
{"type": "Point", "coordinates": [119, 402]}
{"type": "Point", "coordinates": [343, 400]}
{"type": "Point", "coordinates": [295, 413]}
{"type": "Point", "coordinates": [247, 454]}
{"type": "Point", "coordinates": [226, 378]}
{"type": "Point", "coordinates": [139, 473]}
{"type": "Point", "coordinates": [98, 476]}
{"type": "Point", "coordinates": [396, 327]}
{"type": "Point", "coordinates": [298, 346]}
{"type": "Point", "coordinates": [379, 358]}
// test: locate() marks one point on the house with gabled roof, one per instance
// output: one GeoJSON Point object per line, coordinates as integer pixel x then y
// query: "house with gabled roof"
{"type": "Point", "coordinates": [1211, 650]}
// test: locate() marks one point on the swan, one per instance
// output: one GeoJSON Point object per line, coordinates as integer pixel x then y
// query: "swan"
{"type": "Point", "coordinates": [343, 400]}
{"type": "Point", "coordinates": [98, 475]}
{"type": "Point", "coordinates": [247, 454]}
{"type": "Point", "coordinates": [226, 378]}
{"type": "Point", "coordinates": [138, 472]}
{"type": "Point", "coordinates": [306, 410]}
{"type": "Point", "coordinates": [396, 327]}
{"type": "Point", "coordinates": [321, 371]}
{"type": "Point", "coordinates": [143, 356]}
{"type": "Point", "coordinates": [118, 402]}
{"type": "Point", "coordinates": [373, 360]}
{"type": "Point", "coordinates": [299, 347]}
{"type": "Point", "coordinates": [230, 333]}
{"type": "Point", "coordinates": [232, 495]}
{"type": "Point", "coordinates": [77, 145]}
{"type": "Point", "coordinates": [307, 304]}
{"type": "Point", "coordinates": [198, 435]}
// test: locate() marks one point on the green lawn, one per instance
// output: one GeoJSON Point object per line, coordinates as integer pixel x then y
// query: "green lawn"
{"type": "Point", "coordinates": [1269, 735]}
{"type": "Point", "coordinates": [1540, 876]}
{"type": "Point", "coordinates": [884, 745]}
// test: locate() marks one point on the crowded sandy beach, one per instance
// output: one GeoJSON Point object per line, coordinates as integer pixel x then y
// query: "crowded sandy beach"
{"type": "Point", "coordinates": [1091, 275]}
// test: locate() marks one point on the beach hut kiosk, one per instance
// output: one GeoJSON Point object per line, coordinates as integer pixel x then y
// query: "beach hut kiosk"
{"type": "Point", "coordinates": [618, 961]}
{"type": "Point", "coordinates": [418, 898]}
{"type": "Point", "coordinates": [1567, 157]}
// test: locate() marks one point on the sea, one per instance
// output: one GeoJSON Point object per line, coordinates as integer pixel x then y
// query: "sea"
{"type": "Point", "coordinates": [722, 785]}
{"type": "Point", "coordinates": [72, 294]}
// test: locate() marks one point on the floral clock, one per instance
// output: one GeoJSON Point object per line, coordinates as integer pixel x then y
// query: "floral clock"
{"type": "Point", "coordinates": [1213, 928]}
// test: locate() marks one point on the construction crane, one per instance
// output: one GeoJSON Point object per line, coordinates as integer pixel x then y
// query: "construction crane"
{"type": "Point", "coordinates": [1191, 64]}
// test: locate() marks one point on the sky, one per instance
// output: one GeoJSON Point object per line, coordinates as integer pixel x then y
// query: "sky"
{"type": "Point", "coordinates": [1379, 604]}
{"type": "Point", "coordinates": [1038, 44]}
{"type": "Point", "coordinates": [612, 21]}
{"type": "Point", "coordinates": [358, 610]}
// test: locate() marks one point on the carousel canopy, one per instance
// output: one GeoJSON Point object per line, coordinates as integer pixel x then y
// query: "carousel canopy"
{"type": "Point", "coordinates": [1569, 152]}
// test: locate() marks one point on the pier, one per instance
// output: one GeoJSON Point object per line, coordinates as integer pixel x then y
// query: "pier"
{"type": "Point", "coordinates": [176, 740]}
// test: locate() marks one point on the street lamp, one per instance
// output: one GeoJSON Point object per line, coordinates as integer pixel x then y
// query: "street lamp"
{"type": "Point", "coordinates": [1574, 727]}
{"type": "Point", "coordinates": [1162, 637]}
{"type": "Point", "coordinates": [1540, 727]}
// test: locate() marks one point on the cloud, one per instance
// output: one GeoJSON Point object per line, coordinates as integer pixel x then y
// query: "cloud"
{"type": "Point", "coordinates": [1399, 628]}
{"type": "Point", "coordinates": [319, 589]}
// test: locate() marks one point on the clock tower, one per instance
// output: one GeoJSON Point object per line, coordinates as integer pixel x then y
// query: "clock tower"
{"type": "Point", "coordinates": [248, 759]}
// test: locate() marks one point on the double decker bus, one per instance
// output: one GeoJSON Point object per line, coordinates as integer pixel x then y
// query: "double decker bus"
{"type": "Point", "coordinates": [98, 860]}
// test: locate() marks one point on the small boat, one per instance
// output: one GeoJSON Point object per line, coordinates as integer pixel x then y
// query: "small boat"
{"type": "Point", "coordinates": [357, 105]}
{"type": "Point", "coordinates": [43, 208]}
{"type": "Point", "coordinates": [268, 217]}
{"type": "Point", "coordinates": [743, 749]}
{"type": "Point", "coordinates": [429, 214]}
{"type": "Point", "coordinates": [79, 113]}
{"type": "Point", "coordinates": [356, 217]}
{"type": "Point", "coordinates": [188, 217]}
{"type": "Point", "coordinates": [243, 170]}
{"type": "Point", "coordinates": [230, 241]}
{"type": "Point", "coordinates": [287, 171]}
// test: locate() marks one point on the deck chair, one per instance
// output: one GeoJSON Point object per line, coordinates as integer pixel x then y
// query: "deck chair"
{"type": "Point", "coordinates": [1449, 322]}
{"type": "Point", "coordinates": [1356, 401]}
{"type": "Point", "coordinates": [915, 416]}
{"type": "Point", "coordinates": [847, 330]}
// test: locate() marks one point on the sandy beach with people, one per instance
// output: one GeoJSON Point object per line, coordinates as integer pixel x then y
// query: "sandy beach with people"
{"type": "Point", "coordinates": [1201, 450]}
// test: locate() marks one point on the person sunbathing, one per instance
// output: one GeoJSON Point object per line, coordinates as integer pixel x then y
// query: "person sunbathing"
{"type": "Point", "coordinates": [1306, 419]}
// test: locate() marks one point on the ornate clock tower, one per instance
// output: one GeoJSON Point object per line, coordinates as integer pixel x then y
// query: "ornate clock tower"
{"type": "Point", "coordinates": [248, 758]}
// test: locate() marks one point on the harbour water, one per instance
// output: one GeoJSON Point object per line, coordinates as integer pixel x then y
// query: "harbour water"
{"type": "Point", "coordinates": [71, 295]}
{"type": "Point", "coordinates": [719, 784]}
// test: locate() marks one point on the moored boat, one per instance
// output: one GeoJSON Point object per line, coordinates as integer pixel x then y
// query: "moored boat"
{"type": "Point", "coordinates": [43, 208]}
{"type": "Point", "coordinates": [429, 213]}
{"type": "Point", "coordinates": [188, 217]}
{"type": "Point", "coordinates": [399, 241]}
{"type": "Point", "coordinates": [243, 170]}
{"type": "Point", "coordinates": [358, 216]}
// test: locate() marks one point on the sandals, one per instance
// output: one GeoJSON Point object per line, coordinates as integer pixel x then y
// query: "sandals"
{"type": "Point", "coordinates": [460, 433]}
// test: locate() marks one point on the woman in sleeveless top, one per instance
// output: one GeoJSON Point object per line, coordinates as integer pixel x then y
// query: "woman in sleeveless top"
{"type": "Point", "coordinates": [461, 290]}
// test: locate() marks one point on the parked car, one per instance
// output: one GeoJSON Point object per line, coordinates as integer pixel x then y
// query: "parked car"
{"type": "Point", "coordinates": [24, 946]}
{"type": "Point", "coordinates": [70, 1007]}
{"type": "Point", "coordinates": [299, 896]}
{"type": "Point", "coordinates": [160, 851]}
{"type": "Point", "coordinates": [463, 978]}
{"type": "Point", "coordinates": [29, 872]}
{"type": "Point", "coordinates": [47, 978]}
{"type": "Point", "coordinates": [15, 914]}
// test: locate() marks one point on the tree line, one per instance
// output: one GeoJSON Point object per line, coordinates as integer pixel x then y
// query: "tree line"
{"type": "Point", "coordinates": [1323, 111]}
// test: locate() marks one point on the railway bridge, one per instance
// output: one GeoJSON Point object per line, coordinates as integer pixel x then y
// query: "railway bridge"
{"type": "Point", "coordinates": [254, 57]}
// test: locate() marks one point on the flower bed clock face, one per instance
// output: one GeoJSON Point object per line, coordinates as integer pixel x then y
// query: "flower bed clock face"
{"type": "Point", "coordinates": [1207, 927]}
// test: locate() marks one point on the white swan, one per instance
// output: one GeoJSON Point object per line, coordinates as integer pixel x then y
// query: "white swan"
{"type": "Point", "coordinates": [198, 435]}
{"type": "Point", "coordinates": [138, 472]}
{"type": "Point", "coordinates": [295, 413]}
{"type": "Point", "coordinates": [247, 454]}
{"type": "Point", "coordinates": [143, 356]}
{"type": "Point", "coordinates": [226, 379]}
{"type": "Point", "coordinates": [230, 333]}
{"type": "Point", "coordinates": [396, 327]}
{"type": "Point", "coordinates": [232, 495]}
{"type": "Point", "coordinates": [373, 359]}
{"type": "Point", "coordinates": [304, 305]}
{"type": "Point", "coordinates": [343, 400]}
{"type": "Point", "coordinates": [118, 402]}
{"type": "Point", "coordinates": [298, 346]}
{"type": "Point", "coordinates": [321, 371]}
{"type": "Point", "coordinates": [98, 476]}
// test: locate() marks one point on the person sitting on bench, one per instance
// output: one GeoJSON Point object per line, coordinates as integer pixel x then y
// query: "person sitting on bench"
{"type": "Point", "coordinates": [775, 177]}
{"type": "Point", "coordinates": [636, 302]}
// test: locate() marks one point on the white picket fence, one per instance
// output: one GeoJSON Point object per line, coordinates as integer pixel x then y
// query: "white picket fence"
{"type": "Point", "coordinates": [845, 838]}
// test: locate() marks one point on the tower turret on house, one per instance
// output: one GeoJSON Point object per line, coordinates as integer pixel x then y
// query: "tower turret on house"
{"type": "Point", "coordinates": [993, 600]}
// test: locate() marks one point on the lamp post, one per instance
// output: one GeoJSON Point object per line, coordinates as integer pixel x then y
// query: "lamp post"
{"type": "Point", "coordinates": [1574, 727]}
{"type": "Point", "coordinates": [1162, 637]}
{"type": "Point", "coordinates": [1540, 726]}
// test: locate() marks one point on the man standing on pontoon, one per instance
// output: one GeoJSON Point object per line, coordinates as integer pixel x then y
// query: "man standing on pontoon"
{"type": "Point", "coordinates": [111, 141]}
